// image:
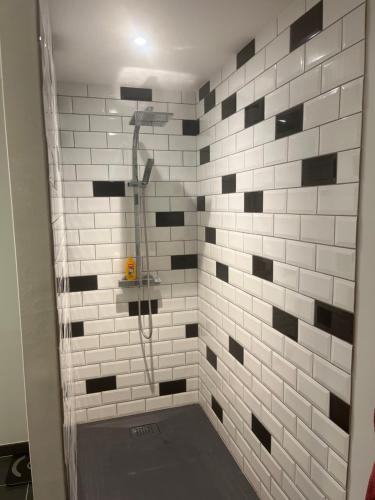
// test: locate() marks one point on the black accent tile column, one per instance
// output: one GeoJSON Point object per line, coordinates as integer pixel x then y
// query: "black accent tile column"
{"type": "Point", "coordinates": [289, 122]}
{"type": "Point", "coordinates": [166, 219]}
{"type": "Point", "coordinates": [261, 432]}
{"type": "Point", "coordinates": [204, 90]}
{"type": "Point", "coordinates": [101, 384]}
{"type": "Point", "coordinates": [254, 113]}
{"type": "Point", "coordinates": [190, 127]}
{"type": "Point", "coordinates": [204, 155]}
{"type": "Point", "coordinates": [133, 307]}
{"type": "Point", "coordinates": [285, 323]}
{"type": "Point", "coordinates": [263, 268]}
{"type": "Point", "coordinates": [172, 387]}
{"type": "Point", "coordinates": [217, 409]}
{"type": "Point", "coordinates": [83, 283]}
{"type": "Point", "coordinates": [253, 202]}
{"type": "Point", "coordinates": [184, 261]}
{"type": "Point", "coordinates": [339, 412]}
{"type": "Point", "coordinates": [211, 357]}
{"type": "Point", "coordinates": [229, 106]}
{"type": "Point", "coordinates": [108, 188]}
{"type": "Point", "coordinates": [209, 101]}
{"type": "Point", "coordinates": [201, 203]}
{"type": "Point", "coordinates": [222, 272]}
{"type": "Point", "coordinates": [191, 330]}
{"type": "Point", "coordinates": [236, 350]}
{"type": "Point", "coordinates": [320, 170]}
{"type": "Point", "coordinates": [307, 26]}
{"type": "Point", "coordinates": [228, 183]}
{"type": "Point", "coordinates": [210, 235]}
{"type": "Point", "coordinates": [246, 53]}
{"type": "Point", "coordinates": [136, 94]}
{"type": "Point", "coordinates": [335, 321]}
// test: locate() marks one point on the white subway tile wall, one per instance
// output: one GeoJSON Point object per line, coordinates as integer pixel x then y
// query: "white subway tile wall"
{"type": "Point", "coordinates": [115, 372]}
{"type": "Point", "coordinates": [276, 244]}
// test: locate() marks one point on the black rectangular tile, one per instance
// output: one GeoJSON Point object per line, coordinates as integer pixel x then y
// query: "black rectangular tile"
{"type": "Point", "coordinates": [263, 268]}
{"type": "Point", "coordinates": [253, 202]}
{"type": "Point", "coordinates": [184, 261]}
{"type": "Point", "coordinates": [254, 113]}
{"type": "Point", "coordinates": [211, 357]}
{"type": "Point", "coordinates": [236, 350]}
{"type": "Point", "coordinates": [190, 127]}
{"type": "Point", "coordinates": [209, 101]}
{"type": "Point", "coordinates": [172, 387]}
{"type": "Point", "coordinates": [217, 409]}
{"type": "Point", "coordinates": [133, 307]}
{"type": "Point", "coordinates": [201, 203]}
{"type": "Point", "coordinates": [191, 330]}
{"type": "Point", "coordinates": [246, 53]}
{"type": "Point", "coordinates": [210, 235]}
{"type": "Point", "coordinates": [101, 384]}
{"type": "Point", "coordinates": [320, 170]}
{"type": "Point", "coordinates": [228, 183]}
{"type": "Point", "coordinates": [108, 188]}
{"type": "Point", "coordinates": [289, 122]}
{"type": "Point", "coordinates": [339, 412]}
{"type": "Point", "coordinates": [83, 283]}
{"type": "Point", "coordinates": [285, 323]}
{"type": "Point", "coordinates": [136, 94]}
{"type": "Point", "coordinates": [62, 285]}
{"type": "Point", "coordinates": [21, 448]}
{"type": "Point", "coordinates": [261, 432]}
{"type": "Point", "coordinates": [228, 106]}
{"type": "Point", "coordinates": [14, 489]}
{"type": "Point", "coordinates": [204, 90]}
{"type": "Point", "coordinates": [204, 155]}
{"type": "Point", "coordinates": [335, 321]}
{"type": "Point", "coordinates": [307, 26]}
{"type": "Point", "coordinates": [222, 272]}
{"type": "Point", "coordinates": [166, 219]}
{"type": "Point", "coordinates": [77, 329]}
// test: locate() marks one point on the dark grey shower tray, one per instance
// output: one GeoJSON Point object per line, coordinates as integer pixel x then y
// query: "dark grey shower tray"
{"type": "Point", "coordinates": [173, 454]}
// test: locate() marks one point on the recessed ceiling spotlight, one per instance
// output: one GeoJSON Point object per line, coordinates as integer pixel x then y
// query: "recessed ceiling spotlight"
{"type": "Point", "coordinates": [140, 41]}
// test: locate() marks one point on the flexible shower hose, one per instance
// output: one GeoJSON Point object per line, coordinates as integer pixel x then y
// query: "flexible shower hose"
{"type": "Point", "coordinates": [141, 204]}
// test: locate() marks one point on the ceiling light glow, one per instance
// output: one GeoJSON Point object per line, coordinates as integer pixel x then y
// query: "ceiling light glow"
{"type": "Point", "coordinates": [140, 41]}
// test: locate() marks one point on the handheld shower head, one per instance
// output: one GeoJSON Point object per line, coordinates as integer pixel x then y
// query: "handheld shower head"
{"type": "Point", "coordinates": [150, 118]}
{"type": "Point", "coordinates": [147, 172]}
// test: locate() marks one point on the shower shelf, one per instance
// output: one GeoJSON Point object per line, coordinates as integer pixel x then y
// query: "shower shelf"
{"type": "Point", "coordinates": [154, 281]}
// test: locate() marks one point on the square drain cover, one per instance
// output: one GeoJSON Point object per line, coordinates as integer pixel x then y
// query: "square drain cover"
{"type": "Point", "coordinates": [144, 430]}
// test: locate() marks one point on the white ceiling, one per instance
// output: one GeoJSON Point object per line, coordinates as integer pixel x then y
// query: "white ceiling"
{"type": "Point", "coordinates": [187, 40]}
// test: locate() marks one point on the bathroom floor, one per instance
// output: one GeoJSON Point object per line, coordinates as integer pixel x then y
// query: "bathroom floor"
{"type": "Point", "coordinates": [172, 454]}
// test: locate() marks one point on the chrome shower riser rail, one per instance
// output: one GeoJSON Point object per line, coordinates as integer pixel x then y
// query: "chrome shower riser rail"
{"type": "Point", "coordinates": [139, 118]}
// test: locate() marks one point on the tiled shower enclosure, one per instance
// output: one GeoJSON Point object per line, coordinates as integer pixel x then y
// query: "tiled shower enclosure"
{"type": "Point", "coordinates": [252, 214]}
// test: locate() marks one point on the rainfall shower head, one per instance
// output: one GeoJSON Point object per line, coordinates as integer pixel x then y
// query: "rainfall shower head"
{"type": "Point", "coordinates": [150, 118]}
{"type": "Point", "coordinates": [147, 172]}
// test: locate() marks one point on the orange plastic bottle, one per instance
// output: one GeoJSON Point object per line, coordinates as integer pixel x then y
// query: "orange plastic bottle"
{"type": "Point", "coordinates": [130, 269]}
